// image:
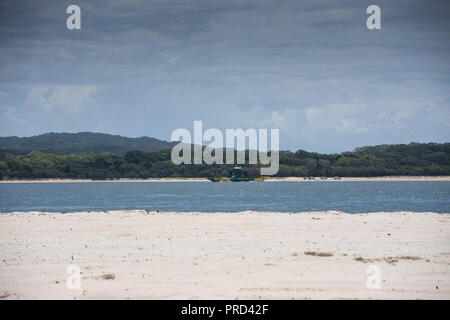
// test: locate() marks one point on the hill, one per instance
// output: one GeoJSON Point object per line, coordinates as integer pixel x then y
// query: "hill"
{"type": "Point", "coordinates": [80, 143]}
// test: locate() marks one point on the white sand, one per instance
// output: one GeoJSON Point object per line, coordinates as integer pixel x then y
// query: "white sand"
{"type": "Point", "coordinates": [243, 255]}
{"type": "Point", "coordinates": [270, 179]}
{"type": "Point", "coordinates": [116, 180]}
{"type": "Point", "coordinates": [386, 178]}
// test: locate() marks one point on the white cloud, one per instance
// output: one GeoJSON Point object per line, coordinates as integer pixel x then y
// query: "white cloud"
{"type": "Point", "coordinates": [10, 117]}
{"type": "Point", "coordinates": [70, 98]}
{"type": "Point", "coordinates": [340, 116]}
{"type": "Point", "coordinates": [3, 94]}
{"type": "Point", "coordinates": [312, 114]}
{"type": "Point", "coordinates": [260, 117]}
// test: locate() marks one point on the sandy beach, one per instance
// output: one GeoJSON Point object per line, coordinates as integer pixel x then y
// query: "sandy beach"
{"type": "Point", "coordinates": [246, 255]}
{"type": "Point", "coordinates": [270, 179]}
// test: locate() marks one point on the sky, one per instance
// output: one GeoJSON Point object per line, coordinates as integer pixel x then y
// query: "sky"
{"type": "Point", "coordinates": [312, 69]}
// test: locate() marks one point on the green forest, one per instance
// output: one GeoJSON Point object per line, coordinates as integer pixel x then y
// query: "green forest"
{"type": "Point", "coordinates": [412, 159]}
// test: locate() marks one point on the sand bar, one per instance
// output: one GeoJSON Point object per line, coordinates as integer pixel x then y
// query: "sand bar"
{"type": "Point", "coordinates": [293, 179]}
{"type": "Point", "coordinates": [246, 255]}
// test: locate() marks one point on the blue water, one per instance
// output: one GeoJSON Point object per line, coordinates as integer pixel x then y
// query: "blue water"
{"type": "Point", "coordinates": [357, 196]}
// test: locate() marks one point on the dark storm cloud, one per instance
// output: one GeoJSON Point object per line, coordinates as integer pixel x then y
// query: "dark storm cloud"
{"type": "Point", "coordinates": [309, 67]}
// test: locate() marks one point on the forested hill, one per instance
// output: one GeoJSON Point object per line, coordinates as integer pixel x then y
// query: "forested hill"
{"type": "Point", "coordinates": [80, 143]}
{"type": "Point", "coordinates": [414, 159]}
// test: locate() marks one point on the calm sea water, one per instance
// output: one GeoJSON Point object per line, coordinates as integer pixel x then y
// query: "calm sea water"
{"type": "Point", "coordinates": [358, 196]}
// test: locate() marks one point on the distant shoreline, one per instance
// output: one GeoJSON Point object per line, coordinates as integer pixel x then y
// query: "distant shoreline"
{"type": "Point", "coordinates": [275, 179]}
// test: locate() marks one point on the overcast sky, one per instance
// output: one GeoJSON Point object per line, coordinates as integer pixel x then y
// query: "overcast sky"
{"type": "Point", "coordinates": [310, 68]}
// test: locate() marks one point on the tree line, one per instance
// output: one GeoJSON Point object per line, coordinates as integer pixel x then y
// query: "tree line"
{"type": "Point", "coordinates": [412, 159]}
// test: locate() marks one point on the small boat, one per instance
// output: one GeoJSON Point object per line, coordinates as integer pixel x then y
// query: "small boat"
{"type": "Point", "coordinates": [237, 174]}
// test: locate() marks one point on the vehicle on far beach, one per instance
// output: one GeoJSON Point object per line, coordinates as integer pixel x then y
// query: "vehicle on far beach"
{"type": "Point", "coordinates": [237, 174]}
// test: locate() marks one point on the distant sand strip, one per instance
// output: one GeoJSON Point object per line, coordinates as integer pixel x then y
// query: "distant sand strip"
{"type": "Point", "coordinates": [246, 255]}
{"type": "Point", "coordinates": [317, 179]}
